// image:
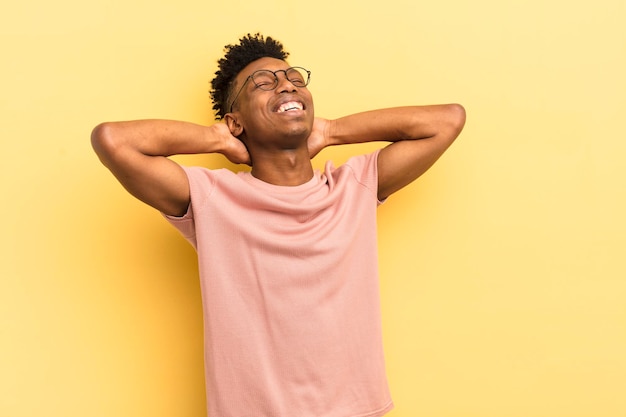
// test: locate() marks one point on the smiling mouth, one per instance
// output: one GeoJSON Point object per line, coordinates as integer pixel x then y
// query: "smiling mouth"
{"type": "Point", "coordinates": [290, 106]}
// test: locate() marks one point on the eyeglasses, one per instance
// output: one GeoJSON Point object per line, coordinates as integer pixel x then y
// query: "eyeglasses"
{"type": "Point", "coordinates": [268, 80]}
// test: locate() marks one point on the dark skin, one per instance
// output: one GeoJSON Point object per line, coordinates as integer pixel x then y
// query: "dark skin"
{"type": "Point", "coordinates": [278, 145]}
{"type": "Point", "coordinates": [276, 141]}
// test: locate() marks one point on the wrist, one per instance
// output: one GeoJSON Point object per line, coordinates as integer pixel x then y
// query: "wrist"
{"type": "Point", "coordinates": [329, 134]}
{"type": "Point", "coordinates": [214, 140]}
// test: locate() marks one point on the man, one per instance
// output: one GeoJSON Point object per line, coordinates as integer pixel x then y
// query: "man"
{"type": "Point", "coordinates": [287, 254]}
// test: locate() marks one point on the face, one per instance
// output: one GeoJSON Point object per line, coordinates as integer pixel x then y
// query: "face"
{"type": "Point", "coordinates": [282, 117]}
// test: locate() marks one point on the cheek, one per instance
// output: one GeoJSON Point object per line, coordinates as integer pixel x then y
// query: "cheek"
{"type": "Point", "coordinates": [257, 103]}
{"type": "Point", "coordinates": [309, 99]}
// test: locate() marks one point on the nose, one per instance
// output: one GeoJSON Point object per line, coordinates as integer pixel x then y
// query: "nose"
{"type": "Point", "coordinates": [284, 85]}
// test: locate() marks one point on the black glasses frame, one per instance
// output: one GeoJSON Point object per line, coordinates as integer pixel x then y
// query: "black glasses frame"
{"type": "Point", "coordinates": [295, 82]}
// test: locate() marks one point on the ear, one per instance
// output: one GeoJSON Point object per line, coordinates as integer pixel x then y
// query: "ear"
{"type": "Point", "coordinates": [233, 124]}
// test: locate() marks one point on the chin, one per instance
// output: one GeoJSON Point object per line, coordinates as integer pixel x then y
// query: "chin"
{"type": "Point", "coordinates": [299, 131]}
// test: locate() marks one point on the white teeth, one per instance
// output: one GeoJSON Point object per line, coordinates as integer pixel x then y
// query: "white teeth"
{"type": "Point", "coordinates": [292, 105]}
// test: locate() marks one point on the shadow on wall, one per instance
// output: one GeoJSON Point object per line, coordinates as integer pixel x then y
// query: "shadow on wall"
{"type": "Point", "coordinates": [147, 303]}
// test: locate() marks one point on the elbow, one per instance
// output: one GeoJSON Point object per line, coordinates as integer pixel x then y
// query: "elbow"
{"type": "Point", "coordinates": [100, 135]}
{"type": "Point", "coordinates": [103, 141]}
{"type": "Point", "coordinates": [456, 118]}
{"type": "Point", "coordinates": [450, 123]}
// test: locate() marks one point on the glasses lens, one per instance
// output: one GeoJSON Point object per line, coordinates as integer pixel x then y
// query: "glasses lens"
{"type": "Point", "coordinates": [264, 79]}
{"type": "Point", "coordinates": [298, 76]}
{"type": "Point", "coordinates": [268, 80]}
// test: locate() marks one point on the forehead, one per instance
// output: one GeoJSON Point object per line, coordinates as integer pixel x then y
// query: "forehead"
{"type": "Point", "coordinates": [268, 63]}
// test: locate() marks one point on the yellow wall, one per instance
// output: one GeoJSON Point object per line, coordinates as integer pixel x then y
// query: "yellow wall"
{"type": "Point", "coordinates": [503, 272]}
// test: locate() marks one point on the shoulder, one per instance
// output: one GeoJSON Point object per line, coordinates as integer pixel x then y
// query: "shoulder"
{"type": "Point", "coordinates": [208, 175]}
{"type": "Point", "coordinates": [363, 167]}
{"type": "Point", "coordinates": [203, 181]}
{"type": "Point", "coordinates": [361, 170]}
{"type": "Point", "coordinates": [366, 162]}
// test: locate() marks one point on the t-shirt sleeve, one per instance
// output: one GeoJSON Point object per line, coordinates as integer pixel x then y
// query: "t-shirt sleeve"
{"type": "Point", "coordinates": [200, 185]}
{"type": "Point", "coordinates": [365, 169]}
{"type": "Point", "coordinates": [184, 224]}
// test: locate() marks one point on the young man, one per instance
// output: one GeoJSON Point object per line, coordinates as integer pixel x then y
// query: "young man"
{"type": "Point", "coordinates": [287, 254]}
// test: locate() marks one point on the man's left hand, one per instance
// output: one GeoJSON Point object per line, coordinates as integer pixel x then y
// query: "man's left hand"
{"type": "Point", "coordinates": [318, 139]}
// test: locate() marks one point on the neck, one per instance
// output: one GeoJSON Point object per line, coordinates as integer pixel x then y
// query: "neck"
{"type": "Point", "coordinates": [286, 167]}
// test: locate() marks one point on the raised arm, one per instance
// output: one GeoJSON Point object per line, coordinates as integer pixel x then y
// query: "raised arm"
{"type": "Point", "coordinates": [136, 153]}
{"type": "Point", "coordinates": [420, 134]}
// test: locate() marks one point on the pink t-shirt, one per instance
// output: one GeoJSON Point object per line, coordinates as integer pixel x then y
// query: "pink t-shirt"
{"type": "Point", "coordinates": [289, 279]}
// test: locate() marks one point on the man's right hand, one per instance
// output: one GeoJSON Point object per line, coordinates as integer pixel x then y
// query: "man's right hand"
{"type": "Point", "coordinates": [232, 148]}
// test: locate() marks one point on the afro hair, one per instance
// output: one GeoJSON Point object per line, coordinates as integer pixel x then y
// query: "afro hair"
{"type": "Point", "coordinates": [236, 58]}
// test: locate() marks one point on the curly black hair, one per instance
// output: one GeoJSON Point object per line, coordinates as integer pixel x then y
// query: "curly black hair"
{"type": "Point", "coordinates": [236, 58]}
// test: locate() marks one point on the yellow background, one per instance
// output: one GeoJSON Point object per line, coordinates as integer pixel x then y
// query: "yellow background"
{"type": "Point", "coordinates": [503, 271]}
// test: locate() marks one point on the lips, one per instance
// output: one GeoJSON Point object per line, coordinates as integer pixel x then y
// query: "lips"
{"type": "Point", "coordinates": [290, 106]}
